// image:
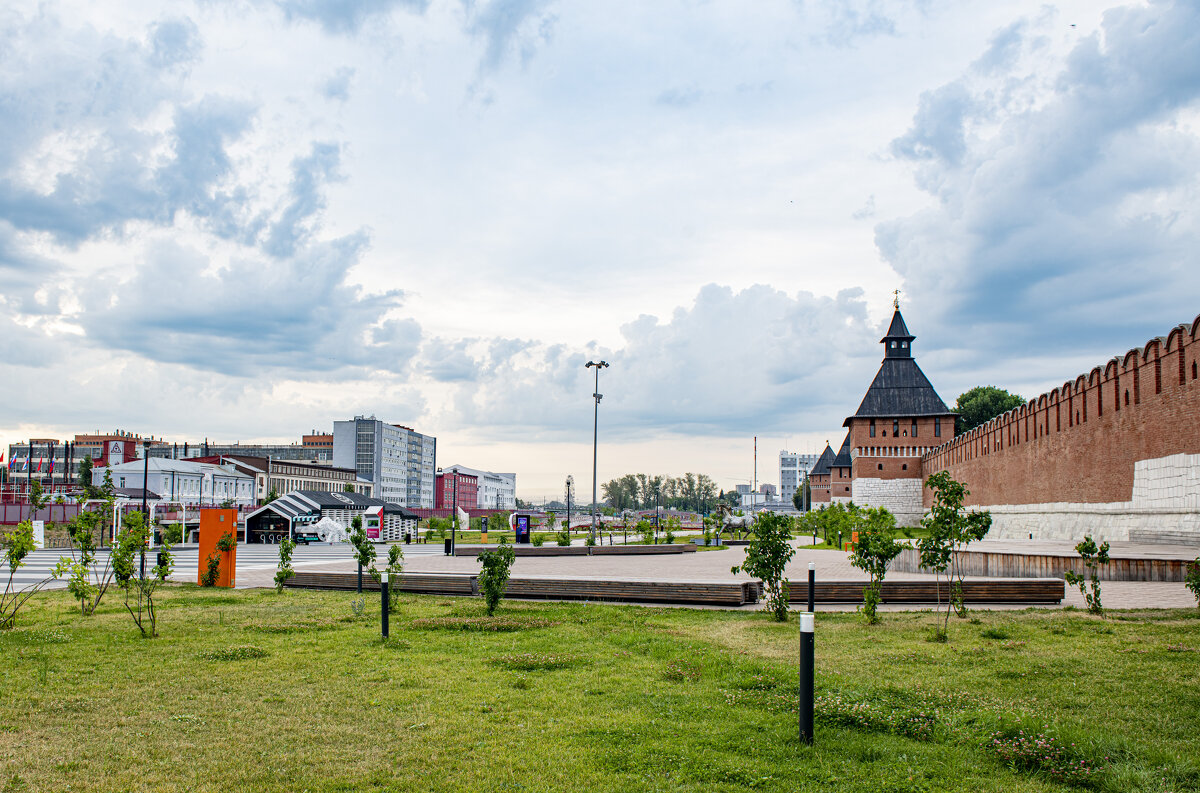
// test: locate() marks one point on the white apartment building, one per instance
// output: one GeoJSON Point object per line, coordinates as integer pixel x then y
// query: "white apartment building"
{"type": "Point", "coordinates": [400, 462]}
{"type": "Point", "coordinates": [792, 467]}
{"type": "Point", "coordinates": [496, 491]}
{"type": "Point", "coordinates": [183, 481]}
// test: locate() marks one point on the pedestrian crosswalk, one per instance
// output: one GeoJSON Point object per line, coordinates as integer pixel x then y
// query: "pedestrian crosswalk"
{"type": "Point", "coordinates": [38, 565]}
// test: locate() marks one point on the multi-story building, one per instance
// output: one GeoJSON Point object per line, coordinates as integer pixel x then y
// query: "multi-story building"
{"type": "Point", "coordinates": [282, 476]}
{"type": "Point", "coordinates": [455, 488]}
{"type": "Point", "coordinates": [182, 481]}
{"type": "Point", "coordinates": [496, 490]}
{"type": "Point", "coordinates": [399, 461]}
{"type": "Point", "coordinates": [793, 468]}
{"type": "Point", "coordinates": [55, 464]}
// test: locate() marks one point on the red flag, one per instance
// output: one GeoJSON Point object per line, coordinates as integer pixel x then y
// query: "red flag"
{"type": "Point", "coordinates": [41, 461]}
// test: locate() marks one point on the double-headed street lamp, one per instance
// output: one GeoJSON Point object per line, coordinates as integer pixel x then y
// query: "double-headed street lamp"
{"type": "Point", "coordinates": [595, 430]}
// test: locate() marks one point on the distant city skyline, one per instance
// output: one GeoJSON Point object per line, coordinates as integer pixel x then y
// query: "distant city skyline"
{"type": "Point", "coordinates": [250, 220]}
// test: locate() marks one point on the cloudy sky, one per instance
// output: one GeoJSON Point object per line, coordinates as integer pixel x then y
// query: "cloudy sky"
{"type": "Point", "coordinates": [243, 220]}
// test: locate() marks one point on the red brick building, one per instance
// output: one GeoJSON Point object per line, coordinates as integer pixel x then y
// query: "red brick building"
{"type": "Point", "coordinates": [467, 486]}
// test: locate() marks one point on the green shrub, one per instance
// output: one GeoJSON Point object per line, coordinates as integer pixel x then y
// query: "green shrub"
{"type": "Point", "coordinates": [493, 578]}
{"type": "Point", "coordinates": [537, 540]}
{"type": "Point", "coordinates": [1093, 557]}
{"type": "Point", "coordinates": [1192, 581]}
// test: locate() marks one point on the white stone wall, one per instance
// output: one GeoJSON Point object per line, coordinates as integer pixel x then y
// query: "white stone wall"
{"type": "Point", "coordinates": [901, 497]}
{"type": "Point", "coordinates": [1165, 504]}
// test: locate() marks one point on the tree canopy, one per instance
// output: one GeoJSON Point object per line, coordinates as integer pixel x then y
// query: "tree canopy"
{"type": "Point", "coordinates": [982, 403]}
{"type": "Point", "coordinates": [642, 491]}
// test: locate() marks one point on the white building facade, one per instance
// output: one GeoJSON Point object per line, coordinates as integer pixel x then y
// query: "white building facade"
{"type": "Point", "coordinates": [400, 462]}
{"type": "Point", "coordinates": [496, 490]}
{"type": "Point", "coordinates": [183, 482]}
{"type": "Point", "coordinates": [792, 466]}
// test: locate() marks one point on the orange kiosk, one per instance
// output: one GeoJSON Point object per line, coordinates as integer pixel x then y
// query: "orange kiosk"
{"type": "Point", "coordinates": [215, 524]}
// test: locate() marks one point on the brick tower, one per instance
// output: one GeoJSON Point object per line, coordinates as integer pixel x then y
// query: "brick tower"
{"type": "Point", "coordinates": [900, 418]}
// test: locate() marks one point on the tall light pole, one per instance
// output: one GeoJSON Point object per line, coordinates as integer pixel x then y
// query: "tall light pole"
{"type": "Point", "coordinates": [595, 435]}
{"type": "Point", "coordinates": [145, 508]}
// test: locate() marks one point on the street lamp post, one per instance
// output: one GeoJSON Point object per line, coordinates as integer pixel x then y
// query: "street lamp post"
{"type": "Point", "coordinates": [145, 508]}
{"type": "Point", "coordinates": [595, 435]}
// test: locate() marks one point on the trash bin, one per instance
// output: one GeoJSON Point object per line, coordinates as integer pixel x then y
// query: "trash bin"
{"type": "Point", "coordinates": [449, 544]}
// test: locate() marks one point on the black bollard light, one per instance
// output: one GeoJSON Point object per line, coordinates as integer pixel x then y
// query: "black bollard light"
{"type": "Point", "coordinates": [360, 578]}
{"type": "Point", "coordinates": [812, 587]}
{"type": "Point", "coordinates": [383, 588]}
{"type": "Point", "coordinates": [807, 661]}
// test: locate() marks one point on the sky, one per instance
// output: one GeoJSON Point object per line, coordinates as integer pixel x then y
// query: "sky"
{"type": "Point", "coordinates": [243, 220]}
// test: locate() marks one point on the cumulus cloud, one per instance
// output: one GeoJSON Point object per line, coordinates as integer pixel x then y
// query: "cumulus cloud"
{"type": "Point", "coordinates": [338, 16]}
{"type": "Point", "coordinates": [337, 85]}
{"type": "Point", "coordinates": [732, 362]}
{"type": "Point", "coordinates": [1065, 213]}
{"type": "Point", "coordinates": [251, 315]}
{"type": "Point", "coordinates": [509, 28]}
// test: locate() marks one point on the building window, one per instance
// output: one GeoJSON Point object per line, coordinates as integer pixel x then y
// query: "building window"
{"type": "Point", "coordinates": [937, 428]}
{"type": "Point", "coordinates": [914, 428]}
{"type": "Point", "coordinates": [881, 466]}
{"type": "Point", "coordinates": [895, 428]}
{"type": "Point", "coordinates": [1126, 396]}
{"type": "Point", "coordinates": [893, 345]}
{"type": "Point", "coordinates": [904, 467]}
{"type": "Point", "coordinates": [873, 420]}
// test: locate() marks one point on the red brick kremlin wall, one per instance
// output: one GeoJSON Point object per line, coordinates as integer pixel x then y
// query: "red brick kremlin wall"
{"type": "Point", "coordinates": [1078, 443]}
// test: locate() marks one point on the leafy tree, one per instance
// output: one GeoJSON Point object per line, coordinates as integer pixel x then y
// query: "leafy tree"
{"type": "Point", "coordinates": [981, 404]}
{"type": "Point", "coordinates": [1093, 557]}
{"type": "Point", "coordinates": [139, 592]}
{"type": "Point", "coordinates": [364, 549]}
{"type": "Point", "coordinates": [17, 544]}
{"type": "Point", "coordinates": [285, 571]}
{"type": "Point", "coordinates": [348, 488]}
{"type": "Point", "coordinates": [873, 553]}
{"type": "Point", "coordinates": [950, 528]}
{"type": "Point", "coordinates": [88, 581]}
{"type": "Point", "coordinates": [394, 568]}
{"type": "Point", "coordinates": [766, 557]}
{"type": "Point", "coordinates": [272, 494]}
{"type": "Point", "coordinates": [493, 578]}
{"type": "Point", "coordinates": [83, 477]}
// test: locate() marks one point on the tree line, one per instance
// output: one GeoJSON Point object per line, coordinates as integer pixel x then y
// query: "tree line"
{"type": "Point", "coordinates": [691, 491]}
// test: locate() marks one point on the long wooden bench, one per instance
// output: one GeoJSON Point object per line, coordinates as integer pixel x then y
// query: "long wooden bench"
{"type": "Point", "coordinates": [425, 583]}
{"type": "Point", "coordinates": [580, 550]}
{"type": "Point", "coordinates": [637, 550]}
{"type": "Point", "coordinates": [716, 593]}
{"type": "Point", "coordinates": [994, 590]}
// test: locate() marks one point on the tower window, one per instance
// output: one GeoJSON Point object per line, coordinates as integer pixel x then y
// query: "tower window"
{"type": "Point", "coordinates": [1126, 396]}
{"type": "Point", "coordinates": [873, 420]}
{"type": "Point", "coordinates": [914, 428]}
{"type": "Point", "coordinates": [881, 466]}
{"type": "Point", "coordinates": [937, 428]}
{"type": "Point", "coordinates": [893, 345]}
{"type": "Point", "coordinates": [904, 467]}
{"type": "Point", "coordinates": [895, 427]}
{"type": "Point", "coordinates": [903, 345]}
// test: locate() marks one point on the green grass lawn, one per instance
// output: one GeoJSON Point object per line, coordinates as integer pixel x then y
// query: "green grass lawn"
{"type": "Point", "coordinates": [250, 690]}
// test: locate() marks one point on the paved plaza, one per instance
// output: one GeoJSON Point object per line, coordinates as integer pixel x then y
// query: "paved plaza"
{"type": "Point", "coordinates": [256, 566]}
